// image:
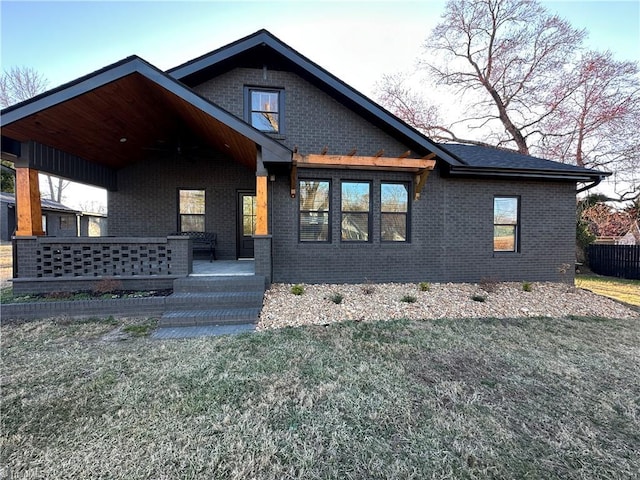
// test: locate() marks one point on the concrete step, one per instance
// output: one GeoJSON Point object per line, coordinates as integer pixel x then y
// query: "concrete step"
{"type": "Point", "coordinates": [204, 300]}
{"type": "Point", "coordinates": [217, 316]}
{"type": "Point", "coordinates": [219, 284]}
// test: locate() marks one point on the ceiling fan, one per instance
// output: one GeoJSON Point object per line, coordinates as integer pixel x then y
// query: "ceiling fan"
{"type": "Point", "coordinates": [175, 148]}
{"type": "Point", "coordinates": [179, 147]}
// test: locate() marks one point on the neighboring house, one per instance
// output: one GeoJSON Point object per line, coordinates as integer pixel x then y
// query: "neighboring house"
{"type": "Point", "coordinates": [289, 165]}
{"type": "Point", "coordinates": [93, 224]}
{"type": "Point", "coordinates": [58, 220]}
{"type": "Point", "coordinates": [632, 237]}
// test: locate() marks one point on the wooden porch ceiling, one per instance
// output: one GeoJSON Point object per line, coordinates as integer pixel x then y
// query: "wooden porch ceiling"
{"type": "Point", "coordinates": [93, 124]}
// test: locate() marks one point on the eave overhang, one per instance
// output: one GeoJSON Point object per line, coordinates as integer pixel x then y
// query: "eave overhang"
{"type": "Point", "coordinates": [111, 116]}
{"type": "Point", "coordinates": [466, 171]}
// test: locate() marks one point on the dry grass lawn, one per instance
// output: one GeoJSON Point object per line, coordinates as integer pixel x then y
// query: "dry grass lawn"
{"type": "Point", "coordinates": [627, 291]}
{"type": "Point", "coordinates": [6, 263]}
{"type": "Point", "coordinates": [464, 399]}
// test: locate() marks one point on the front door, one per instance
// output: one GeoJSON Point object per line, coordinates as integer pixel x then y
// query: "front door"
{"type": "Point", "coordinates": [246, 223]}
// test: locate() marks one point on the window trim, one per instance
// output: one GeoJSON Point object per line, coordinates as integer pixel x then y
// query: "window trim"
{"type": "Point", "coordinates": [516, 233]}
{"type": "Point", "coordinates": [180, 214]}
{"type": "Point", "coordinates": [407, 214]}
{"type": "Point", "coordinates": [369, 212]}
{"type": "Point", "coordinates": [328, 211]}
{"type": "Point", "coordinates": [248, 89]}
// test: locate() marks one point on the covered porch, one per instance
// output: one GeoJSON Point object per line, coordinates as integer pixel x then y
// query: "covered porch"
{"type": "Point", "coordinates": [104, 129]}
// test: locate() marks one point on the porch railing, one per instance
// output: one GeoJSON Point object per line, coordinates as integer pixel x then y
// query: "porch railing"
{"type": "Point", "coordinates": [94, 258]}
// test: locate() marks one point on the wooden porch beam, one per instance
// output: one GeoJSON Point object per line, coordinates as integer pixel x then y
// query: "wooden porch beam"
{"type": "Point", "coordinates": [363, 163]}
{"type": "Point", "coordinates": [28, 206]}
{"type": "Point", "coordinates": [262, 204]}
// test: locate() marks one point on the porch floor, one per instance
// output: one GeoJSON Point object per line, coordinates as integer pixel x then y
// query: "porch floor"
{"type": "Point", "coordinates": [204, 268]}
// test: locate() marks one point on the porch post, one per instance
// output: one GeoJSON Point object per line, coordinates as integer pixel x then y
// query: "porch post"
{"type": "Point", "coordinates": [261, 236]}
{"type": "Point", "coordinates": [28, 207]}
{"type": "Point", "coordinates": [262, 204]}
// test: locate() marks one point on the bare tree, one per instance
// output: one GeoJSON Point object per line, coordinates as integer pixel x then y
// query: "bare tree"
{"type": "Point", "coordinates": [56, 186]}
{"type": "Point", "coordinates": [596, 126]}
{"type": "Point", "coordinates": [508, 57]}
{"type": "Point", "coordinates": [17, 85]}
{"type": "Point", "coordinates": [525, 83]}
{"type": "Point", "coordinates": [20, 83]}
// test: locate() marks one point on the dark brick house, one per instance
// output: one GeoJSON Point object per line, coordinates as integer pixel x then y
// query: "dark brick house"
{"type": "Point", "coordinates": [289, 165]}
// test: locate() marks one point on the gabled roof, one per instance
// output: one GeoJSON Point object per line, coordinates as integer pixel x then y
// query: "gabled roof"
{"type": "Point", "coordinates": [109, 116]}
{"type": "Point", "coordinates": [134, 101]}
{"type": "Point", "coordinates": [263, 47]}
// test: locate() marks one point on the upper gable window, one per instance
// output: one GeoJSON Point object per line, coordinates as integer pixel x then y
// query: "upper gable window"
{"type": "Point", "coordinates": [265, 109]}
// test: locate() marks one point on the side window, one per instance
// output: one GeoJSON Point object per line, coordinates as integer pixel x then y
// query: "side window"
{"type": "Point", "coordinates": [265, 109]}
{"type": "Point", "coordinates": [191, 207]}
{"type": "Point", "coordinates": [506, 224]}
{"type": "Point", "coordinates": [355, 209]}
{"type": "Point", "coordinates": [314, 210]}
{"type": "Point", "coordinates": [394, 212]}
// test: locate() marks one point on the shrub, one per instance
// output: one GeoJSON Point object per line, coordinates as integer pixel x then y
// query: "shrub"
{"type": "Point", "coordinates": [58, 295]}
{"type": "Point", "coordinates": [479, 298]}
{"type": "Point", "coordinates": [368, 288]}
{"type": "Point", "coordinates": [424, 286]}
{"type": "Point", "coordinates": [527, 286]}
{"type": "Point", "coordinates": [139, 330]}
{"type": "Point", "coordinates": [336, 298]}
{"type": "Point", "coordinates": [408, 299]}
{"type": "Point", "coordinates": [107, 285]}
{"type": "Point", "coordinates": [297, 289]}
{"type": "Point", "coordinates": [489, 284]}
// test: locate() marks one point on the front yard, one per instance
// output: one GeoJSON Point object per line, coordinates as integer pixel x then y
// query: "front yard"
{"type": "Point", "coordinates": [481, 398]}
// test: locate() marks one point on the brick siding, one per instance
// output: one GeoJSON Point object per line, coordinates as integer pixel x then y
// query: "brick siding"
{"type": "Point", "coordinates": [451, 236]}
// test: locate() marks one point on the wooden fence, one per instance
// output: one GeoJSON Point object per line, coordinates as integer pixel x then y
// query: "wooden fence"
{"type": "Point", "coordinates": [615, 260]}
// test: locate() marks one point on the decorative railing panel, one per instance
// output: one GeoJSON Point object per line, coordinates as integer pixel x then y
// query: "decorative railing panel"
{"type": "Point", "coordinates": [50, 257]}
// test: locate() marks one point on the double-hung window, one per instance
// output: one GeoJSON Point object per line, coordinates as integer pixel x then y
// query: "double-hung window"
{"type": "Point", "coordinates": [506, 224]}
{"type": "Point", "coordinates": [355, 208]}
{"type": "Point", "coordinates": [314, 210]}
{"type": "Point", "coordinates": [191, 210]}
{"type": "Point", "coordinates": [265, 109]}
{"type": "Point", "coordinates": [394, 209]}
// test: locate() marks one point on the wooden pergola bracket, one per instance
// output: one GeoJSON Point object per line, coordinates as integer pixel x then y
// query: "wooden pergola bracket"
{"type": "Point", "coordinates": [419, 166]}
{"type": "Point", "coordinates": [293, 179]}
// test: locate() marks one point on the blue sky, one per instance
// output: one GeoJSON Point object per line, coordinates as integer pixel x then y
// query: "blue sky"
{"type": "Point", "coordinates": [356, 40]}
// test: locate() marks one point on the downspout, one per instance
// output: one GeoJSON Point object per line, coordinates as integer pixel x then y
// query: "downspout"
{"type": "Point", "coordinates": [595, 183]}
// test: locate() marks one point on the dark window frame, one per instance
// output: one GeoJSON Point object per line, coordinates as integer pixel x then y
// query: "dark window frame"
{"type": "Point", "coordinates": [517, 226]}
{"type": "Point", "coordinates": [328, 211]}
{"type": "Point", "coordinates": [66, 222]}
{"type": "Point", "coordinates": [407, 214]}
{"type": "Point", "coordinates": [180, 214]}
{"type": "Point", "coordinates": [369, 212]}
{"type": "Point", "coordinates": [248, 90]}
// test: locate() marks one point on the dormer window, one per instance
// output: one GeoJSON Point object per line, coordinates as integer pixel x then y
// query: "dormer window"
{"type": "Point", "coordinates": [265, 109]}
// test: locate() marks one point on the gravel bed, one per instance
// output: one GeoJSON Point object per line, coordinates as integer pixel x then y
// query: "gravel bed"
{"type": "Point", "coordinates": [371, 302]}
